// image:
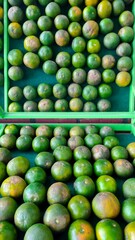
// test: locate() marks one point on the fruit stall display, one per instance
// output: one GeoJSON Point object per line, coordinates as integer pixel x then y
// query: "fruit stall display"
{"type": "Point", "coordinates": [72, 57]}
{"type": "Point", "coordinates": [67, 181]}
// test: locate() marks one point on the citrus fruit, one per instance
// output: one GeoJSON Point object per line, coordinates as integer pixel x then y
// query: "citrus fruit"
{"type": "Point", "coordinates": [76, 131]}
{"type": "Point", "coordinates": [93, 77]}
{"type": "Point", "coordinates": [128, 209]}
{"type": "Point", "coordinates": [92, 139]}
{"type": "Point", "coordinates": [15, 94]}
{"type": "Point", "coordinates": [74, 14]}
{"type": "Point", "coordinates": [108, 75]}
{"type": "Point", "coordinates": [35, 174]}
{"type": "Point", "coordinates": [38, 231]}
{"type": "Point", "coordinates": [111, 141]}
{"type": "Point", "coordinates": [103, 105]}
{"type": "Point", "coordinates": [30, 28]}
{"type": "Point", "coordinates": [34, 192]}
{"type": "Point", "coordinates": [106, 183]}
{"type": "Point", "coordinates": [18, 166]}
{"type": "Point", "coordinates": [89, 107]}
{"type": "Point", "coordinates": [15, 107]}
{"type": "Point", "coordinates": [46, 38]}
{"type": "Point", "coordinates": [56, 217]}
{"type": "Point", "coordinates": [27, 130]}
{"type": "Point", "coordinates": [52, 9]}
{"type": "Point", "coordinates": [82, 152]}
{"type": "Point", "coordinates": [118, 152]}
{"type": "Point", "coordinates": [104, 9]}
{"type": "Point", "coordinates": [15, 14]}
{"type": "Point", "coordinates": [111, 40]}
{"type": "Point", "coordinates": [89, 13]}
{"type": "Point", "coordinates": [50, 67]}
{"type": "Point", "coordinates": [15, 73]}
{"type": "Point", "coordinates": [128, 188]}
{"type": "Point", "coordinates": [93, 61]}
{"type": "Point", "coordinates": [63, 75]}
{"type": "Point", "coordinates": [108, 228]}
{"type": "Point", "coordinates": [79, 207]}
{"type": "Point", "coordinates": [130, 149]}
{"type": "Point", "coordinates": [105, 205]}
{"type": "Point", "coordinates": [82, 167]}
{"type": "Point", "coordinates": [45, 105]}
{"type": "Point", "coordinates": [31, 60]}
{"type": "Point", "coordinates": [99, 151]}
{"type": "Point", "coordinates": [74, 29]}
{"type": "Point", "coordinates": [44, 130]}
{"type": "Point", "coordinates": [26, 215]}
{"type": "Point", "coordinates": [8, 231]}
{"type": "Point", "coordinates": [108, 61]}
{"type": "Point", "coordinates": [44, 23]}
{"type": "Point", "coordinates": [78, 44]}
{"type": "Point", "coordinates": [106, 25]}
{"type": "Point", "coordinates": [126, 34]}
{"type": "Point", "coordinates": [81, 228]}
{"type": "Point", "coordinates": [15, 30]}
{"type": "Point", "coordinates": [59, 91]}
{"type": "Point", "coordinates": [14, 2]}
{"type": "Point", "coordinates": [32, 12]}
{"type": "Point", "coordinates": [44, 90]}
{"type": "Point", "coordinates": [61, 22]}
{"type": "Point", "coordinates": [106, 131]}
{"type": "Point", "coordinates": [8, 207]}
{"type": "Point", "coordinates": [124, 49]}
{"type": "Point", "coordinates": [23, 142]}
{"type": "Point", "coordinates": [40, 143]}
{"type": "Point", "coordinates": [44, 2]}
{"type": "Point", "coordinates": [90, 29]}
{"type": "Point", "coordinates": [129, 230]}
{"type": "Point", "coordinates": [62, 153]}
{"type": "Point", "coordinates": [45, 53]}
{"type": "Point", "coordinates": [123, 168]}
{"type": "Point", "coordinates": [8, 141]}
{"type": "Point", "coordinates": [118, 7]}
{"type": "Point", "coordinates": [104, 90]}
{"type": "Point", "coordinates": [124, 64]}
{"type": "Point", "coordinates": [61, 171]}
{"type": "Point", "coordinates": [123, 79]}
{"type": "Point", "coordinates": [76, 104]}
{"type": "Point", "coordinates": [61, 105]}
{"type": "Point", "coordinates": [126, 18]}
{"type": "Point", "coordinates": [60, 131]}
{"type": "Point", "coordinates": [78, 60]}
{"type": "Point", "coordinates": [75, 2]}
{"type": "Point", "coordinates": [102, 167]}
{"type": "Point", "coordinates": [30, 92]}
{"type": "Point", "coordinates": [58, 192]}
{"type": "Point", "coordinates": [93, 46]}
{"type": "Point", "coordinates": [79, 75]}
{"type": "Point", "coordinates": [91, 2]}
{"type": "Point", "coordinates": [84, 185]}
{"type": "Point", "coordinates": [13, 186]}
{"type": "Point", "coordinates": [15, 57]}
{"type": "Point", "coordinates": [5, 155]}
{"type": "Point", "coordinates": [89, 93]}
{"type": "Point", "coordinates": [74, 90]}
{"type": "Point", "coordinates": [31, 43]}
{"type": "Point", "coordinates": [75, 141]}
{"type": "Point", "coordinates": [57, 141]}
{"type": "Point", "coordinates": [30, 106]}
{"type": "Point", "coordinates": [63, 59]}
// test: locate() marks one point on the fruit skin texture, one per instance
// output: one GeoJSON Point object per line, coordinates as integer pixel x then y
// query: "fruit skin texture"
{"type": "Point", "coordinates": [81, 229]}
{"type": "Point", "coordinates": [128, 209]}
{"type": "Point", "coordinates": [106, 205]}
{"type": "Point", "coordinates": [131, 149]}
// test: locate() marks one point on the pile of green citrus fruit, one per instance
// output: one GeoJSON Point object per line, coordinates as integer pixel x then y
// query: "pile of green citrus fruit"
{"type": "Point", "coordinates": [85, 45]}
{"type": "Point", "coordinates": [66, 182]}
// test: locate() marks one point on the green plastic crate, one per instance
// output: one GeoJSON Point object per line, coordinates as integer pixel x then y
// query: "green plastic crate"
{"type": "Point", "coordinates": [122, 98]}
{"type": "Point", "coordinates": [125, 133]}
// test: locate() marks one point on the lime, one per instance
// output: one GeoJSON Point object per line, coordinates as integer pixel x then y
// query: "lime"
{"type": "Point", "coordinates": [15, 107]}
{"type": "Point", "coordinates": [40, 143]}
{"type": "Point", "coordinates": [44, 90]}
{"type": "Point", "coordinates": [61, 22]}
{"type": "Point", "coordinates": [84, 185]}
{"type": "Point", "coordinates": [103, 105]}
{"type": "Point", "coordinates": [30, 106]}
{"type": "Point", "coordinates": [102, 167]}
{"type": "Point", "coordinates": [79, 75]}
{"type": "Point", "coordinates": [29, 92]}
{"type": "Point", "coordinates": [93, 61]}
{"type": "Point", "coordinates": [31, 60]}
{"type": "Point", "coordinates": [33, 12]}
{"type": "Point", "coordinates": [34, 192]}
{"type": "Point", "coordinates": [63, 75]}
{"type": "Point", "coordinates": [76, 104]}
{"type": "Point", "coordinates": [52, 9]}
{"type": "Point", "coordinates": [15, 14]}
{"type": "Point", "coordinates": [50, 67]}
{"type": "Point", "coordinates": [123, 79]}
{"type": "Point", "coordinates": [45, 105]}
{"type": "Point", "coordinates": [89, 13]}
{"type": "Point", "coordinates": [61, 105]}
{"type": "Point", "coordinates": [15, 30]}
{"type": "Point", "coordinates": [108, 75]}
{"type": "Point", "coordinates": [15, 94]}
{"type": "Point", "coordinates": [61, 171]}
{"type": "Point", "coordinates": [18, 166]}
{"type": "Point", "coordinates": [78, 44]}
{"type": "Point", "coordinates": [93, 77]}
{"type": "Point", "coordinates": [46, 38]}
{"type": "Point", "coordinates": [35, 174]}
{"type": "Point", "coordinates": [59, 91]}
{"type": "Point", "coordinates": [111, 40]}
{"type": "Point", "coordinates": [30, 28]}
{"type": "Point", "coordinates": [82, 167]}
{"type": "Point", "coordinates": [38, 231]}
{"type": "Point", "coordinates": [31, 44]}
{"type": "Point", "coordinates": [15, 57]}
{"type": "Point", "coordinates": [93, 46]}
{"type": "Point", "coordinates": [15, 73]}
{"type": "Point", "coordinates": [44, 23]}
{"type": "Point", "coordinates": [104, 9]}
{"type": "Point", "coordinates": [74, 14]}
{"type": "Point", "coordinates": [45, 53]}
{"type": "Point", "coordinates": [106, 183]}
{"type": "Point", "coordinates": [106, 25]}
{"type": "Point", "coordinates": [78, 60]}
{"type": "Point", "coordinates": [89, 93]}
{"type": "Point", "coordinates": [63, 59]}
{"type": "Point", "coordinates": [24, 142]}
{"type": "Point", "coordinates": [104, 90]}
